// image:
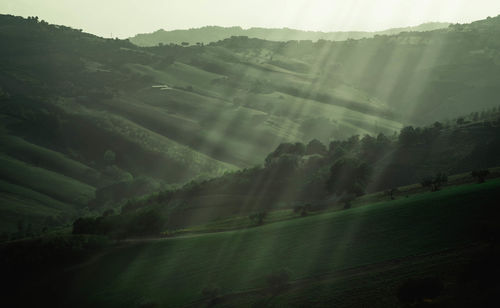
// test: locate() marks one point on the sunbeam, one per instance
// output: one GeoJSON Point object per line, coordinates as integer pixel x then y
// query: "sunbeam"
{"type": "Point", "coordinates": [222, 153]}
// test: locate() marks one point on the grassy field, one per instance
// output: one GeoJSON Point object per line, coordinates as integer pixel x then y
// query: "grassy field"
{"type": "Point", "coordinates": [50, 183]}
{"type": "Point", "coordinates": [31, 194]}
{"type": "Point", "coordinates": [48, 159]}
{"type": "Point", "coordinates": [172, 272]}
{"type": "Point", "coordinates": [21, 203]}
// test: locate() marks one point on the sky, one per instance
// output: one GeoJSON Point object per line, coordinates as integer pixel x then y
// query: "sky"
{"type": "Point", "coordinates": [125, 18]}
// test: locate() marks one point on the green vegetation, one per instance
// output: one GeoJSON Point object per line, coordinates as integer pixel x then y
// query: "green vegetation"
{"type": "Point", "coordinates": [211, 34]}
{"type": "Point", "coordinates": [53, 184]}
{"type": "Point", "coordinates": [308, 247]}
{"type": "Point", "coordinates": [314, 178]}
{"type": "Point", "coordinates": [249, 172]}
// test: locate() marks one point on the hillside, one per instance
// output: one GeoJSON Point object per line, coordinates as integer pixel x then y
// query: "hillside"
{"type": "Point", "coordinates": [313, 177]}
{"type": "Point", "coordinates": [115, 121]}
{"type": "Point", "coordinates": [356, 257]}
{"type": "Point", "coordinates": [211, 34]}
{"type": "Point", "coordinates": [231, 167]}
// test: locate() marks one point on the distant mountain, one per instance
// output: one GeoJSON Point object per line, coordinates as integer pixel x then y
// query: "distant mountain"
{"type": "Point", "coordinates": [210, 34]}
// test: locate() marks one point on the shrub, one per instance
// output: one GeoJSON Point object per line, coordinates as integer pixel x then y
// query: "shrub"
{"type": "Point", "coordinates": [258, 218]}
{"type": "Point", "coordinates": [480, 175]}
{"type": "Point", "coordinates": [435, 182]}
{"type": "Point", "coordinates": [302, 209]}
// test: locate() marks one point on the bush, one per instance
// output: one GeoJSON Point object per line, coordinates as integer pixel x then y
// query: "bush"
{"type": "Point", "coordinates": [87, 225]}
{"type": "Point", "coordinates": [480, 175]}
{"type": "Point", "coordinates": [302, 209]}
{"type": "Point", "coordinates": [435, 182]}
{"type": "Point", "coordinates": [258, 218]}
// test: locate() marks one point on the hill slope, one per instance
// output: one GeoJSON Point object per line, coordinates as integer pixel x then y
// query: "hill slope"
{"type": "Point", "coordinates": [211, 34]}
{"type": "Point", "coordinates": [125, 121]}
{"type": "Point", "coordinates": [332, 249]}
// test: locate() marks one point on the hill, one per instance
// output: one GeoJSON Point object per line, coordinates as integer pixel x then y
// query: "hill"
{"type": "Point", "coordinates": [122, 121]}
{"type": "Point", "coordinates": [352, 258]}
{"type": "Point", "coordinates": [186, 176]}
{"type": "Point", "coordinates": [211, 34]}
{"type": "Point", "coordinates": [313, 177]}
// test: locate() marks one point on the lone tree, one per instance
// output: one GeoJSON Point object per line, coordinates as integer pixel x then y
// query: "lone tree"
{"type": "Point", "coordinates": [435, 182]}
{"type": "Point", "coordinates": [258, 218]}
{"type": "Point", "coordinates": [302, 209]}
{"type": "Point", "coordinates": [348, 178]}
{"type": "Point", "coordinates": [480, 175]}
{"type": "Point", "coordinates": [391, 192]}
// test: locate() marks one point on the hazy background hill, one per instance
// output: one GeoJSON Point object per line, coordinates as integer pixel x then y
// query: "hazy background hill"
{"type": "Point", "coordinates": [210, 34]}
{"type": "Point", "coordinates": [102, 120]}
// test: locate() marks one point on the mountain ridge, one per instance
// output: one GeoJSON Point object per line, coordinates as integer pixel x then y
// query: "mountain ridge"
{"type": "Point", "coordinates": [208, 34]}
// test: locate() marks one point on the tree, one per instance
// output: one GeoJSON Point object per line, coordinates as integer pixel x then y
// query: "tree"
{"type": "Point", "coordinates": [435, 182]}
{"type": "Point", "coordinates": [287, 148]}
{"type": "Point", "coordinates": [109, 157]}
{"type": "Point", "coordinates": [480, 175]}
{"type": "Point", "coordinates": [407, 136]}
{"type": "Point", "coordinates": [258, 218]}
{"type": "Point", "coordinates": [347, 199]}
{"type": "Point", "coordinates": [315, 147]}
{"type": "Point", "coordinates": [348, 176]}
{"type": "Point", "coordinates": [86, 225]}
{"type": "Point", "coordinates": [372, 148]}
{"type": "Point", "coordinates": [302, 209]}
{"type": "Point", "coordinates": [108, 212]}
{"type": "Point", "coordinates": [20, 226]}
{"type": "Point", "coordinates": [391, 193]}
{"type": "Point", "coordinates": [439, 180]}
{"type": "Point", "coordinates": [437, 125]}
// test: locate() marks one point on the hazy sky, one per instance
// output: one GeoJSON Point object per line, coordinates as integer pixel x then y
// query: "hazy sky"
{"type": "Point", "coordinates": [124, 18]}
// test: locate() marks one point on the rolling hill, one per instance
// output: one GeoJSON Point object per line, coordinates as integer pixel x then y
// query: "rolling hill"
{"type": "Point", "coordinates": [119, 121]}
{"type": "Point", "coordinates": [352, 258]}
{"type": "Point", "coordinates": [185, 176]}
{"type": "Point", "coordinates": [212, 34]}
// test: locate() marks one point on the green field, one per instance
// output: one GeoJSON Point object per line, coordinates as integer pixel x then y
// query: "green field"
{"type": "Point", "coordinates": [48, 159]}
{"type": "Point", "coordinates": [31, 194]}
{"type": "Point", "coordinates": [172, 272]}
{"type": "Point", "coordinates": [45, 181]}
{"type": "Point", "coordinates": [20, 203]}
